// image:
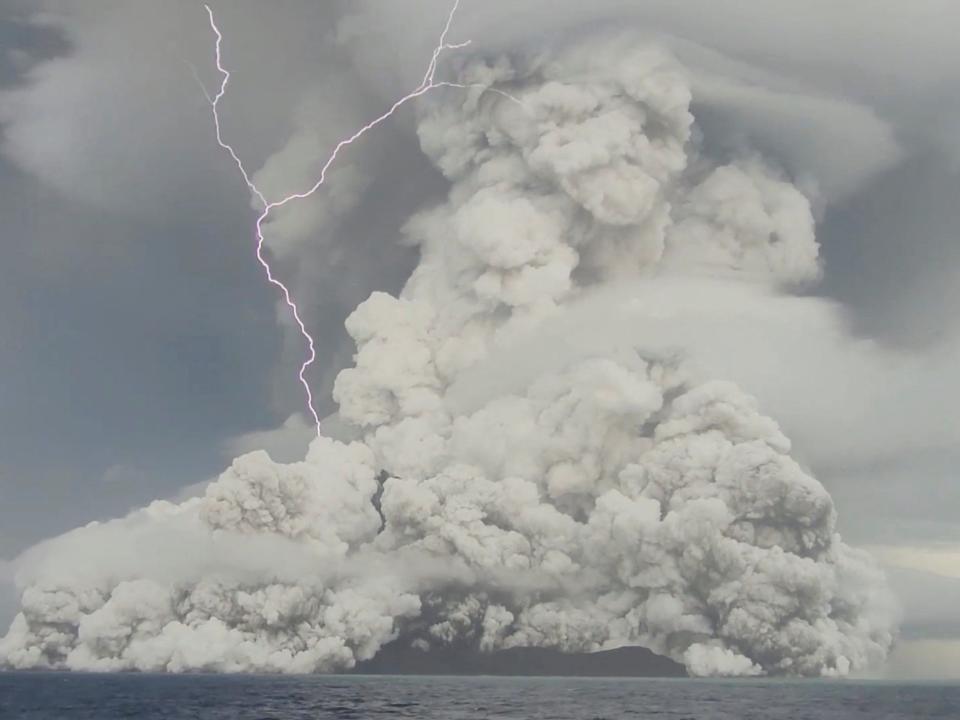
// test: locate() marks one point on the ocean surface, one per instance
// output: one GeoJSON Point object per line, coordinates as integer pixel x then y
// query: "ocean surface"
{"type": "Point", "coordinates": [56, 696]}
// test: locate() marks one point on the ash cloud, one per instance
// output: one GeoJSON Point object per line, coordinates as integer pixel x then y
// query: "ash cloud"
{"type": "Point", "coordinates": [618, 495]}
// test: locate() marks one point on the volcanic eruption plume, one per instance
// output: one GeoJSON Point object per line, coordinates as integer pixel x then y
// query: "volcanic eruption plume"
{"type": "Point", "coordinates": [521, 463]}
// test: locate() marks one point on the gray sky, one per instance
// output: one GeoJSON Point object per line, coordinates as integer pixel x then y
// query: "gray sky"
{"type": "Point", "coordinates": [140, 348]}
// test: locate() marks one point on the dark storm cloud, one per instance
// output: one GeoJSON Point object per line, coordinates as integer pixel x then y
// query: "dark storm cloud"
{"type": "Point", "coordinates": [24, 42]}
{"type": "Point", "coordinates": [135, 318]}
{"type": "Point", "coordinates": [892, 253]}
{"type": "Point", "coordinates": [121, 343]}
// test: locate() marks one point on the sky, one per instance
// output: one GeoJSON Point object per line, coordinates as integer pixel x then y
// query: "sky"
{"type": "Point", "coordinates": [140, 349]}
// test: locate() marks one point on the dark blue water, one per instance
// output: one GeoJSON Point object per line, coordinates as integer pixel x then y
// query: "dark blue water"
{"type": "Point", "coordinates": [54, 696]}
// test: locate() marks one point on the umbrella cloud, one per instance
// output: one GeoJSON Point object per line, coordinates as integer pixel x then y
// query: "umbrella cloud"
{"type": "Point", "coordinates": [613, 495]}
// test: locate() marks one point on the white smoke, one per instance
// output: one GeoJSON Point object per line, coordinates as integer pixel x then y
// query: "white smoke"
{"type": "Point", "coordinates": [605, 493]}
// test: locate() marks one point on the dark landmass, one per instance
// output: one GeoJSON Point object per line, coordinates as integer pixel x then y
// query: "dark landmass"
{"type": "Point", "coordinates": [401, 659]}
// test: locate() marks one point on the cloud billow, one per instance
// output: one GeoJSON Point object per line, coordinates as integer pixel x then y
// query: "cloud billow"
{"type": "Point", "coordinates": [617, 495]}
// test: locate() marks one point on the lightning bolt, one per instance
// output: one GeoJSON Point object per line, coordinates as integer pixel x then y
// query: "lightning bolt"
{"type": "Point", "coordinates": [427, 84]}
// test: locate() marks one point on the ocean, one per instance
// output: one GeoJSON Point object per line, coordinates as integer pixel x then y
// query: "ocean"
{"type": "Point", "coordinates": [63, 696]}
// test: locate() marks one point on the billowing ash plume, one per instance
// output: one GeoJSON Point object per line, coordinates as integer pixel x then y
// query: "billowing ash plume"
{"type": "Point", "coordinates": [589, 500]}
